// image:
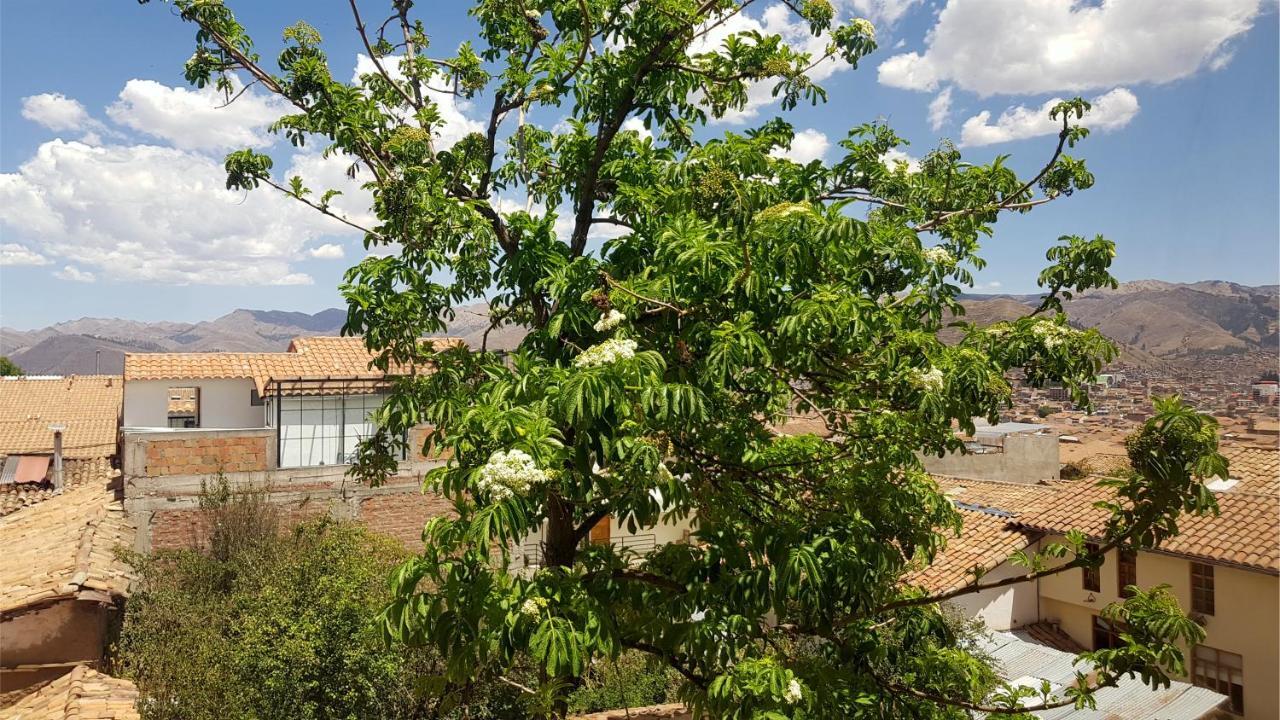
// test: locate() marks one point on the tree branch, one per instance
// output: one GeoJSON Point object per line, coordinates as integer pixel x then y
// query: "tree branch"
{"type": "Point", "coordinates": [323, 209]}
{"type": "Point", "coordinates": [415, 104]}
{"type": "Point", "coordinates": [614, 283]}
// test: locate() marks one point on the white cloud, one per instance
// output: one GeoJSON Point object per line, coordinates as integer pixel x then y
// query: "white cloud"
{"type": "Point", "coordinates": [454, 124]}
{"type": "Point", "coordinates": [320, 173]}
{"type": "Point", "coordinates": [1110, 111]}
{"type": "Point", "coordinates": [807, 146]}
{"type": "Point", "coordinates": [15, 254]}
{"type": "Point", "coordinates": [940, 110]}
{"type": "Point", "coordinates": [776, 20]}
{"type": "Point", "coordinates": [74, 274]}
{"type": "Point", "coordinates": [1040, 46]}
{"type": "Point", "coordinates": [636, 124]}
{"type": "Point", "coordinates": [196, 119]}
{"type": "Point", "coordinates": [56, 112]}
{"type": "Point", "coordinates": [328, 251]}
{"type": "Point", "coordinates": [155, 214]}
{"type": "Point", "coordinates": [893, 156]}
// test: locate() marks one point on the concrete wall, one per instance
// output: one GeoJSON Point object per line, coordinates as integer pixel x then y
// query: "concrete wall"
{"type": "Point", "coordinates": [57, 636]}
{"type": "Point", "coordinates": [223, 403]}
{"type": "Point", "coordinates": [1004, 608]}
{"type": "Point", "coordinates": [1246, 618]}
{"type": "Point", "coordinates": [1022, 457]}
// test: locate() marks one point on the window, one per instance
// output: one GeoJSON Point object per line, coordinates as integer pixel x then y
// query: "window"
{"type": "Point", "coordinates": [1106, 633]}
{"type": "Point", "coordinates": [1126, 571]}
{"type": "Point", "coordinates": [1221, 671]}
{"type": "Point", "coordinates": [1092, 576]}
{"type": "Point", "coordinates": [322, 429]}
{"type": "Point", "coordinates": [183, 407]}
{"type": "Point", "coordinates": [1202, 588]}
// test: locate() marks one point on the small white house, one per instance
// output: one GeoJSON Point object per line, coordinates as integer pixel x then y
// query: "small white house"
{"type": "Point", "coordinates": [318, 395]}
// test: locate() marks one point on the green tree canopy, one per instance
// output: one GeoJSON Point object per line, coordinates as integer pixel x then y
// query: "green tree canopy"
{"type": "Point", "coordinates": [9, 367]}
{"type": "Point", "coordinates": [736, 288]}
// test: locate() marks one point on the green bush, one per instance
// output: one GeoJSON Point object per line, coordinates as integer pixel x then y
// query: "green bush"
{"type": "Point", "coordinates": [633, 680]}
{"type": "Point", "coordinates": [282, 628]}
{"type": "Point", "coordinates": [262, 622]}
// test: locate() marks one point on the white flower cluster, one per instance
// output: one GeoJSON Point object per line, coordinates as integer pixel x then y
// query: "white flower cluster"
{"type": "Point", "coordinates": [1052, 334]}
{"type": "Point", "coordinates": [939, 256]}
{"type": "Point", "coordinates": [533, 607]}
{"type": "Point", "coordinates": [864, 27]}
{"type": "Point", "coordinates": [931, 380]}
{"type": "Point", "coordinates": [609, 351]}
{"type": "Point", "coordinates": [794, 692]}
{"type": "Point", "coordinates": [508, 473]}
{"type": "Point", "coordinates": [609, 321]}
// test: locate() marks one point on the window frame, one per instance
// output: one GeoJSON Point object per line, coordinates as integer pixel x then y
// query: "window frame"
{"type": "Point", "coordinates": [1091, 576]}
{"type": "Point", "coordinates": [1110, 630]}
{"type": "Point", "coordinates": [1126, 570]}
{"type": "Point", "coordinates": [1220, 678]}
{"type": "Point", "coordinates": [1203, 600]}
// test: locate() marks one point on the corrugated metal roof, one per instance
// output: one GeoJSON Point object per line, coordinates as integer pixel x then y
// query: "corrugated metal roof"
{"type": "Point", "coordinates": [1018, 659]}
{"type": "Point", "coordinates": [31, 468]}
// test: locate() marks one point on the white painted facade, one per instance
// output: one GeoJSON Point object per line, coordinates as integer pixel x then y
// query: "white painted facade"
{"type": "Point", "coordinates": [224, 403]}
{"type": "Point", "coordinates": [1003, 608]}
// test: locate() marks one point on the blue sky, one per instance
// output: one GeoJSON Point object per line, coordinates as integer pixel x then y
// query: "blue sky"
{"type": "Point", "coordinates": [111, 200]}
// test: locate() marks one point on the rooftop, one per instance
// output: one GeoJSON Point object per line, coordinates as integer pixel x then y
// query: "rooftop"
{"type": "Point", "coordinates": [83, 694]}
{"type": "Point", "coordinates": [989, 534]}
{"type": "Point", "coordinates": [1245, 532]}
{"type": "Point", "coordinates": [64, 548]}
{"type": "Point", "coordinates": [87, 405]}
{"type": "Point", "coordinates": [76, 473]}
{"type": "Point", "coordinates": [307, 357]}
{"type": "Point", "coordinates": [1021, 660]}
{"type": "Point", "coordinates": [1258, 469]}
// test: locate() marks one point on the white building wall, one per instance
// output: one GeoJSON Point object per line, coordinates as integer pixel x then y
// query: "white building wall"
{"type": "Point", "coordinates": [223, 403]}
{"type": "Point", "coordinates": [1003, 608]}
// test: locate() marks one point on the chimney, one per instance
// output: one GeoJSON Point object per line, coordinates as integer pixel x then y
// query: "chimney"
{"type": "Point", "coordinates": [57, 455]}
{"type": "Point", "coordinates": [97, 362]}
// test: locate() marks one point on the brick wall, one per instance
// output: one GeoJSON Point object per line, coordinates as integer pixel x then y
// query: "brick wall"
{"type": "Point", "coordinates": [417, 438]}
{"type": "Point", "coordinates": [173, 529]}
{"type": "Point", "coordinates": [205, 455]}
{"type": "Point", "coordinates": [402, 515]}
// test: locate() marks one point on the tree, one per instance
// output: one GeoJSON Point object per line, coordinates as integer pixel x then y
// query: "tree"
{"type": "Point", "coordinates": [703, 289]}
{"type": "Point", "coordinates": [9, 368]}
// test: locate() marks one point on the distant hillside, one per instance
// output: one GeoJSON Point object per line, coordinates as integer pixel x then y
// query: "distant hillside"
{"type": "Point", "coordinates": [1165, 320]}
{"type": "Point", "coordinates": [1155, 323]}
{"type": "Point", "coordinates": [70, 347]}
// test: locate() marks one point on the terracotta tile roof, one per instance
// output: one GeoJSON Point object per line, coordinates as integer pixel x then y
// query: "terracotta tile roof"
{"type": "Point", "coordinates": [1246, 532]}
{"type": "Point", "coordinates": [985, 541]}
{"type": "Point", "coordinates": [307, 357]}
{"type": "Point", "coordinates": [64, 547]}
{"type": "Point", "coordinates": [1007, 496]}
{"type": "Point", "coordinates": [82, 694]}
{"type": "Point", "coordinates": [88, 405]}
{"type": "Point", "coordinates": [1257, 468]}
{"type": "Point", "coordinates": [989, 535]}
{"type": "Point", "coordinates": [76, 473]}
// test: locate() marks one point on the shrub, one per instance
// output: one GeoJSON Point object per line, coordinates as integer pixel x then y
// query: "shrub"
{"type": "Point", "coordinates": [264, 622]}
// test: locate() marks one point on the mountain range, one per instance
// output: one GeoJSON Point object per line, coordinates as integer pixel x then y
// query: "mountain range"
{"type": "Point", "coordinates": [1155, 322]}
